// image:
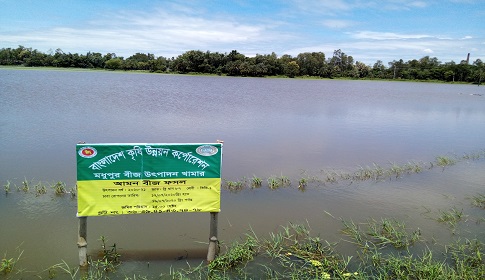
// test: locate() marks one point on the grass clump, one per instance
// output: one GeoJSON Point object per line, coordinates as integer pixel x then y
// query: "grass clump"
{"type": "Point", "coordinates": [237, 254]}
{"type": "Point", "coordinates": [451, 217]}
{"type": "Point", "coordinates": [392, 232]}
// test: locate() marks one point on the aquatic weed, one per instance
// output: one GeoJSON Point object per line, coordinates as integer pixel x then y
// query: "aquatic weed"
{"type": "Point", "coordinates": [392, 232]}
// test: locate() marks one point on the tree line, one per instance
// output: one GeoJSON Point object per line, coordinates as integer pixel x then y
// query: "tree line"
{"type": "Point", "coordinates": [314, 64]}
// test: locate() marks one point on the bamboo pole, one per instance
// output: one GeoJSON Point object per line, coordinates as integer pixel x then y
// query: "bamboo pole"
{"type": "Point", "coordinates": [82, 243]}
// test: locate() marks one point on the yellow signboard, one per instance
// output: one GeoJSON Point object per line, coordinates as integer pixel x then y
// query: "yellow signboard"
{"type": "Point", "coordinates": [117, 179]}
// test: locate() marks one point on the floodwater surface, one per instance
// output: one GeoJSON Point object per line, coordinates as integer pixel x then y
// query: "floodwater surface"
{"type": "Point", "coordinates": [270, 127]}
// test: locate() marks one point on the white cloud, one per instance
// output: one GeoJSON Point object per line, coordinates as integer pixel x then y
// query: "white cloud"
{"type": "Point", "coordinates": [418, 4]}
{"type": "Point", "coordinates": [338, 24]}
{"type": "Point", "coordinates": [323, 6]}
{"type": "Point", "coordinates": [372, 35]}
{"type": "Point", "coordinates": [162, 33]}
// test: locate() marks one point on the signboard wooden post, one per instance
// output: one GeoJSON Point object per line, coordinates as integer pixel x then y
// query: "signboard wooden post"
{"type": "Point", "coordinates": [120, 179]}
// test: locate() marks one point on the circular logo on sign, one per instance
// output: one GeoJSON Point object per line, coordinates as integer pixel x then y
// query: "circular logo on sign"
{"type": "Point", "coordinates": [207, 150]}
{"type": "Point", "coordinates": [87, 152]}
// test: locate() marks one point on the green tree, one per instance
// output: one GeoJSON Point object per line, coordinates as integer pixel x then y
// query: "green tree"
{"type": "Point", "coordinates": [311, 64]}
{"type": "Point", "coordinates": [114, 64]}
{"type": "Point", "coordinates": [292, 69]}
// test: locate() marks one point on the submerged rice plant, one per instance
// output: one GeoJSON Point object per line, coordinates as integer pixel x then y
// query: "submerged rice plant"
{"type": "Point", "coordinates": [59, 188]}
{"type": "Point", "coordinates": [444, 161]}
{"type": "Point", "coordinates": [275, 182]}
{"type": "Point", "coordinates": [234, 185]}
{"type": "Point", "coordinates": [478, 200]}
{"type": "Point", "coordinates": [256, 182]}
{"type": "Point", "coordinates": [6, 187]}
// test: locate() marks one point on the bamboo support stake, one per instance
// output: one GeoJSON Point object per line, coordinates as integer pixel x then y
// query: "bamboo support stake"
{"type": "Point", "coordinates": [213, 242]}
{"type": "Point", "coordinates": [82, 243]}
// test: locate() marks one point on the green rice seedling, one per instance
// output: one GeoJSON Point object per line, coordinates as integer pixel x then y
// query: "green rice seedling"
{"type": "Point", "coordinates": [273, 183]}
{"type": "Point", "coordinates": [59, 188]}
{"type": "Point", "coordinates": [284, 181]}
{"type": "Point", "coordinates": [234, 185]}
{"type": "Point", "coordinates": [302, 183]}
{"type": "Point", "coordinates": [256, 182]}
{"type": "Point", "coordinates": [363, 174]}
{"type": "Point", "coordinates": [331, 176]}
{"type": "Point", "coordinates": [478, 200]}
{"type": "Point", "coordinates": [40, 189]}
{"type": "Point", "coordinates": [6, 187]}
{"type": "Point", "coordinates": [378, 171]}
{"type": "Point", "coordinates": [25, 186]}
{"type": "Point", "coordinates": [444, 161]}
{"type": "Point", "coordinates": [475, 156]}
{"type": "Point", "coordinates": [368, 173]}
{"type": "Point", "coordinates": [73, 192]}
{"type": "Point", "coordinates": [413, 167]}
{"type": "Point", "coordinates": [395, 170]}
{"type": "Point", "coordinates": [7, 264]}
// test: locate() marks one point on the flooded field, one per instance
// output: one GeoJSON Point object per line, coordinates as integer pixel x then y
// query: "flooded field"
{"type": "Point", "coordinates": [327, 132]}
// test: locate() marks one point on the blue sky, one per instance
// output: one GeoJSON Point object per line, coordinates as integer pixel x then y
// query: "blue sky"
{"type": "Point", "coordinates": [384, 30]}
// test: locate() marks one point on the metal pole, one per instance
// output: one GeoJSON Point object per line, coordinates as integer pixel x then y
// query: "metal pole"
{"type": "Point", "coordinates": [82, 243]}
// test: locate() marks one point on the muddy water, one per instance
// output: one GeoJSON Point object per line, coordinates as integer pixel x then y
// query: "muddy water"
{"type": "Point", "coordinates": [271, 127]}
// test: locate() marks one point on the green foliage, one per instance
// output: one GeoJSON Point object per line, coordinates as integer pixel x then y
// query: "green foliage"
{"type": "Point", "coordinates": [306, 64]}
